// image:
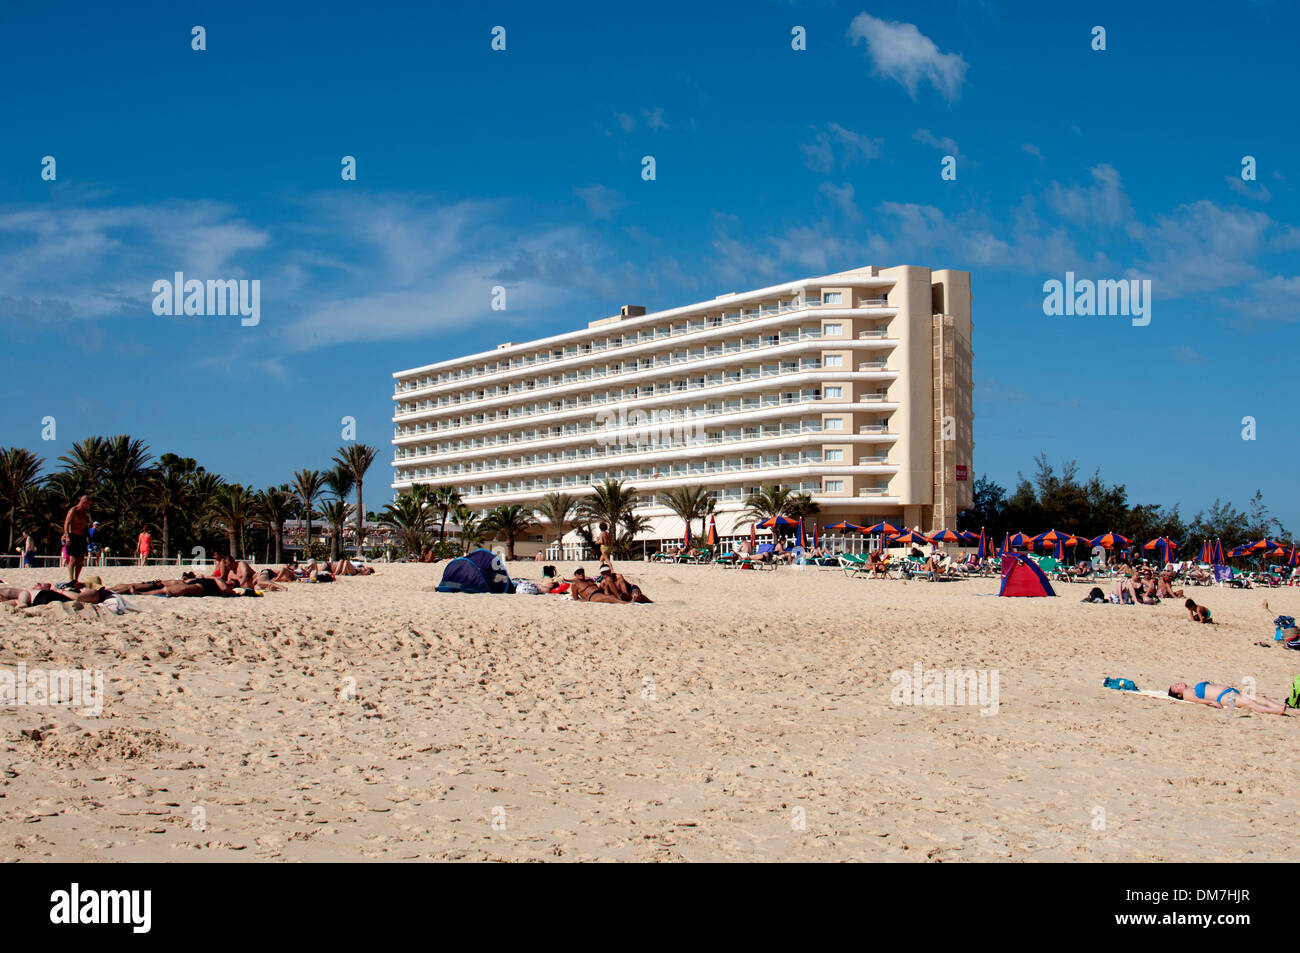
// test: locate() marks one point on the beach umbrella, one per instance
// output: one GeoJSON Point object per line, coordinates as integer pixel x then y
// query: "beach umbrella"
{"type": "Point", "coordinates": [772, 522]}
{"type": "Point", "coordinates": [1206, 553]}
{"type": "Point", "coordinates": [1260, 545]}
{"type": "Point", "coordinates": [844, 526]}
{"type": "Point", "coordinates": [981, 554]}
{"type": "Point", "coordinates": [1006, 544]}
{"type": "Point", "coordinates": [1049, 539]}
{"type": "Point", "coordinates": [911, 536]}
{"type": "Point", "coordinates": [686, 537]}
{"type": "Point", "coordinates": [753, 538]}
{"type": "Point", "coordinates": [944, 536]}
{"type": "Point", "coordinates": [1020, 539]}
{"type": "Point", "coordinates": [967, 536]}
{"type": "Point", "coordinates": [1111, 541]}
{"type": "Point", "coordinates": [814, 534]}
{"type": "Point", "coordinates": [1218, 551]}
{"type": "Point", "coordinates": [801, 540]}
{"type": "Point", "coordinates": [1164, 545]}
{"type": "Point", "coordinates": [712, 538]}
{"type": "Point", "coordinates": [884, 529]}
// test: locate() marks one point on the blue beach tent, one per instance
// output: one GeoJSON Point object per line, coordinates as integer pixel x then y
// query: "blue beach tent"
{"type": "Point", "coordinates": [480, 571]}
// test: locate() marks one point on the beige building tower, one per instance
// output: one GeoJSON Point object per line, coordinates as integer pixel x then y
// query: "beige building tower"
{"type": "Point", "coordinates": [853, 387]}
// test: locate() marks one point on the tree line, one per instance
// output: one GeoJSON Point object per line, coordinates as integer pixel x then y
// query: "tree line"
{"type": "Point", "coordinates": [1064, 501]}
{"type": "Point", "coordinates": [417, 513]}
{"type": "Point", "coordinates": [181, 504]}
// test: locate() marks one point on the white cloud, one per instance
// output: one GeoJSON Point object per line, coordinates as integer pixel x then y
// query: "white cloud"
{"type": "Point", "coordinates": [901, 52]}
{"type": "Point", "coordinates": [1255, 191]}
{"type": "Point", "coordinates": [944, 144]}
{"type": "Point", "coordinates": [842, 198]}
{"type": "Point", "coordinates": [1102, 203]}
{"type": "Point", "coordinates": [836, 146]}
{"type": "Point", "coordinates": [602, 202]}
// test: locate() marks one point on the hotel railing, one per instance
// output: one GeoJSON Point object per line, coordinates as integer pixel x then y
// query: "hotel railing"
{"type": "Point", "coordinates": [630, 340]}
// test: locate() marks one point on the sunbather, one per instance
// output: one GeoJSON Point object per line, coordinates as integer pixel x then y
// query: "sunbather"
{"type": "Point", "coordinates": [1209, 693]}
{"type": "Point", "coordinates": [1165, 589]}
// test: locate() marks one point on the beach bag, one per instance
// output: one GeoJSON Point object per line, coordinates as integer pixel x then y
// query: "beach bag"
{"type": "Point", "coordinates": [1121, 684]}
{"type": "Point", "coordinates": [526, 587]}
{"type": "Point", "coordinates": [1293, 700]}
{"type": "Point", "coordinates": [1293, 642]}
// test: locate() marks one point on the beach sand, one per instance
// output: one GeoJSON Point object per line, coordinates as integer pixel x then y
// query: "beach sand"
{"type": "Point", "coordinates": [704, 727]}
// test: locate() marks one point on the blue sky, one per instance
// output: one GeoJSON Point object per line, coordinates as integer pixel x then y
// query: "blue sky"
{"type": "Point", "coordinates": [522, 168]}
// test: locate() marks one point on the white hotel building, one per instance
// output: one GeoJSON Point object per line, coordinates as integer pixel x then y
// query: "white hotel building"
{"type": "Point", "coordinates": [853, 387]}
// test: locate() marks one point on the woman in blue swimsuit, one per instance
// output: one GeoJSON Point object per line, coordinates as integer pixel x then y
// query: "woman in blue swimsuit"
{"type": "Point", "coordinates": [1208, 693]}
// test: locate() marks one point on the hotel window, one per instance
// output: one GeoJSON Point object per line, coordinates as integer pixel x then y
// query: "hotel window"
{"type": "Point", "coordinates": [832, 297]}
{"type": "Point", "coordinates": [834, 423]}
{"type": "Point", "coordinates": [834, 486]}
{"type": "Point", "coordinates": [834, 456]}
{"type": "Point", "coordinates": [834, 329]}
{"type": "Point", "coordinates": [833, 360]}
{"type": "Point", "coordinates": [833, 392]}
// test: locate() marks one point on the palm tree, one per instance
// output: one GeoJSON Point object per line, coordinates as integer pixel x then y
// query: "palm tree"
{"type": "Point", "coordinates": [508, 522]}
{"type": "Point", "coordinates": [274, 503]}
{"type": "Point", "coordinates": [126, 477]}
{"type": "Point", "coordinates": [308, 484]}
{"type": "Point", "coordinates": [802, 505]}
{"type": "Point", "coordinates": [556, 509]}
{"type": "Point", "coordinates": [231, 507]}
{"type": "Point", "coordinates": [335, 513]}
{"type": "Point", "coordinates": [468, 525]}
{"type": "Point", "coordinates": [357, 457]}
{"type": "Point", "coordinates": [632, 524]}
{"type": "Point", "coordinates": [170, 490]}
{"type": "Point", "coordinates": [688, 502]}
{"type": "Point", "coordinates": [19, 470]}
{"type": "Point", "coordinates": [408, 517]}
{"type": "Point", "coordinates": [446, 499]}
{"type": "Point", "coordinates": [769, 501]}
{"type": "Point", "coordinates": [87, 462]}
{"type": "Point", "coordinates": [607, 503]}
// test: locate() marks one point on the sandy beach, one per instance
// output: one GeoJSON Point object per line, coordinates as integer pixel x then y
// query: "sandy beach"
{"type": "Point", "coordinates": [742, 716]}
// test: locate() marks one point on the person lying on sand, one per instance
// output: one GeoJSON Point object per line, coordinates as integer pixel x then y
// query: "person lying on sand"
{"type": "Point", "coordinates": [612, 587]}
{"type": "Point", "coordinates": [189, 585]}
{"type": "Point", "coordinates": [44, 593]}
{"type": "Point", "coordinates": [1209, 693]}
{"type": "Point", "coordinates": [1197, 613]}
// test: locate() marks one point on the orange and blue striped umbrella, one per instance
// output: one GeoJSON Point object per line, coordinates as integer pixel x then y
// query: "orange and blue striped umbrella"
{"type": "Point", "coordinates": [1111, 540]}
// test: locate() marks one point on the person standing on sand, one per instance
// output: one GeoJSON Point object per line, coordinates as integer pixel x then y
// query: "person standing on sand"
{"type": "Point", "coordinates": [76, 526]}
{"type": "Point", "coordinates": [143, 542]}
{"type": "Point", "coordinates": [606, 544]}
{"type": "Point", "coordinates": [29, 551]}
